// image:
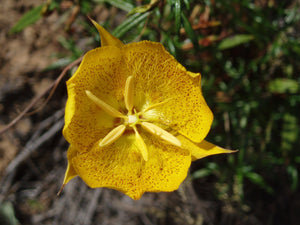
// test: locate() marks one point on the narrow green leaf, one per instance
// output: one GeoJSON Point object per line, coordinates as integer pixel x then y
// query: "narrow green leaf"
{"type": "Point", "coordinates": [293, 172]}
{"type": "Point", "coordinates": [234, 41]}
{"type": "Point", "coordinates": [120, 4]}
{"type": "Point", "coordinates": [201, 173]}
{"type": "Point", "coordinates": [140, 9]}
{"type": "Point", "coordinates": [289, 132]}
{"type": "Point", "coordinates": [171, 46]}
{"type": "Point", "coordinates": [27, 19]}
{"type": "Point", "coordinates": [60, 63]}
{"type": "Point", "coordinates": [190, 32]}
{"type": "Point", "coordinates": [7, 214]}
{"type": "Point", "coordinates": [177, 12]}
{"type": "Point", "coordinates": [259, 181]}
{"type": "Point", "coordinates": [144, 8]}
{"type": "Point", "coordinates": [129, 23]}
{"type": "Point", "coordinates": [187, 4]}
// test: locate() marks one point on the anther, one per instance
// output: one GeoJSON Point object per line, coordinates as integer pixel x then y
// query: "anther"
{"type": "Point", "coordinates": [129, 94]}
{"type": "Point", "coordinates": [113, 135]}
{"type": "Point", "coordinates": [152, 128]}
{"type": "Point", "coordinates": [104, 106]}
{"type": "Point", "coordinates": [141, 144]}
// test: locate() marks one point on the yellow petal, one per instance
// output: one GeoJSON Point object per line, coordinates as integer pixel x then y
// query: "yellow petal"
{"type": "Point", "coordinates": [106, 38]}
{"type": "Point", "coordinates": [120, 166]}
{"type": "Point", "coordinates": [70, 172]}
{"type": "Point", "coordinates": [158, 76]}
{"type": "Point", "coordinates": [99, 72]}
{"type": "Point", "coordinates": [202, 149]}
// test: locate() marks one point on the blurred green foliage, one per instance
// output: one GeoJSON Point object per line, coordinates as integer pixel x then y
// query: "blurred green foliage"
{"type": "Point", "coordinates": [248, 53]}
{"type": "Point", "coordinates": [7, 214]}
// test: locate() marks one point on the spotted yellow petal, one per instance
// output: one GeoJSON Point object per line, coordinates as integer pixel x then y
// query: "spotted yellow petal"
{"type": "Point", "coordinates": [106, 38]}
{"type": "Point", "coordinates": [70, 172]}
{"type": "Point", "coordinates": [158, 76]}
{"type": "Point", "coordinates": [202, 149]}
{"type": "Point", "coordinates": [99, 73]}
{"type": "Point", "coordinates": [120, 166]}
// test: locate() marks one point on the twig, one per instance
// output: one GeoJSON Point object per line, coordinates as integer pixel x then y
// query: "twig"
{"type": "Point", "coordinates": [26, 152]}
{"type": "Point", "coordinates": [92, 207]}
{"type": "Point", "coordinates": [30, 147]}
{"type": "Point", "coordinates": [53, 86]}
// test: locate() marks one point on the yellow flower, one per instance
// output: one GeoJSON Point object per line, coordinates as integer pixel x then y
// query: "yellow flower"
{"type": "Point", "coordinates": [135, 118]}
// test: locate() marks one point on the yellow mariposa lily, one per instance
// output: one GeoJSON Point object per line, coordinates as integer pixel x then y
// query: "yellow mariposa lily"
{"type": "Point", "coordinates": [135, 118]}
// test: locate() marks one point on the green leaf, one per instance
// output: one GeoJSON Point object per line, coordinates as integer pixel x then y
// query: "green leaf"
{"type": "Point", "coordinates": [231, 42]}
{"type": "Point", "coordinates": [187, 4]}
{"type": "Point", "coordinates": [190, 32]}
{"type": "Point", "coordinates": [27, 19]}
{"type": "Point", "coordinates": [202, 173]}
{"type": "Point", "coordinates": [283, 85]}
{"type": "Point", "coordinates": [177, 12]}
{"type": "Point", "coordinates": [171, 46]}
{"type": "Point", "coordinates": [289, 133]}
{"type": "Point", "coordinates": [259, 181]}
{"type": "Point", "coordinates": [144, 8]}
{"type": "Point", "coordinates": [140, 9]}
{"type": "Point", "coordinates": [129, 23]}
{"type": "Point", "coordinates": [121, 4]}
{"type": "Point", "coordinates": [59, 63]}
{"type": "Point", "coordinates": [293, 172]}
{"type": "Point", "coordinates": [7, 214]}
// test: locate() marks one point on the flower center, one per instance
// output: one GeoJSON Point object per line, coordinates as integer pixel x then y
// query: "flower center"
{"type": "Point", "coordinates": [132, 120]}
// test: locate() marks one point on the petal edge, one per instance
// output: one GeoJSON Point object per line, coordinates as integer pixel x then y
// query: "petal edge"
{"type": "Point", "coordinates": [106, 37]}
{"type": "Point", "coordinates": [202, 149]}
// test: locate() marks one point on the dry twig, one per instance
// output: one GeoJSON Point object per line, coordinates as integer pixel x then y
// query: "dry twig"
{"type": "Point", "coordinates": [53, 86]}
{"type": "Point", "coordinates": [32, 145]}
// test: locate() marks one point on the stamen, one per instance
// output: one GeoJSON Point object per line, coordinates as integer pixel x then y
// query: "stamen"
{"type": "Point", "coordinates": [161, 133]}
{"type": "Point", "coordinates": [113, 135]}
{"type": "Point", "coordinates": [141, 144]}
{"type": "Point", "coordinates": [107, 108]}
{"type": "Point", "coordinates": [129, 94]}
{"type": "Point", "coordinates": [156, 105]}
